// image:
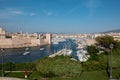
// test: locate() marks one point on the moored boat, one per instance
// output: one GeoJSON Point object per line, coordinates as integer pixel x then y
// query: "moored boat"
{"type": "Point", "coordinates": [26, 51]}
{"type": "Point", "coordinates": [42, 48]}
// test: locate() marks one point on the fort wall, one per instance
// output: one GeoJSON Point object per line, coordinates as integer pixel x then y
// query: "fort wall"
{"type": "Point", "coordinates": [21, 42]}
{"type": "Point", "coordinates": [18, 40]}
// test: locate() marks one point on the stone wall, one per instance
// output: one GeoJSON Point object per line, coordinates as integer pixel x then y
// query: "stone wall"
{"type": "Point", "coordinates": [5, 43]}
{"type": "Point", "coordinates": [18, 43]}
{"type": "Point", "coordinates": [14, 43]}
{"type": "Point", "coordinates": [24, 42]}
{"type": "Point", "coordinates": [35, 42]}
{"type": "Point", "coordinates": [48, 38]}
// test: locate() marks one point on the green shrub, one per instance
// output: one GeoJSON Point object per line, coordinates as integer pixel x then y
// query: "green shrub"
{"type": "Point", "coordinates": [9, 66]}
{"type": "Point", "coordinates": [58, 66]}
{"type": "Point", "coordinates": [96, 64]}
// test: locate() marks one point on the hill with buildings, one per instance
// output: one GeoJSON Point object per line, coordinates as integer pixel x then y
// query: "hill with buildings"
{"type": "Point", "coordinates": [116, 30]}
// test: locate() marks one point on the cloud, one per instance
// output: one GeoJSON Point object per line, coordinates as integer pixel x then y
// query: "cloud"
{"type": "Point", "coordinates": [14, 11]}
{"type": "Point", "coordinates": [17, 12]}
{"type": "Point", "coordinates": [48, 13]}
{"type": "Point", "coordinates": [9, 13]}
{"type": "Point", "coordinates": [33, 14]}
{"type": "Point", "coordinates": [92, 6]}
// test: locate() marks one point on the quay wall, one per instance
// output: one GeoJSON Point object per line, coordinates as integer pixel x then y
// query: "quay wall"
{"type": "Point", "coordinates": [21, 42]}
{"type": "Point", "coordinates": [43, 42]}
{"type": "Point", "coordinates": [35, 42]}
{"type": "Point", "coordinates": [5, 43]}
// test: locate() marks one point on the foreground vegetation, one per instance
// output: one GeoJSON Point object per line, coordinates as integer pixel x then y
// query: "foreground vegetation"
{"type": "Point", "coordinates": [63, 68]}
{"type": "Point", "coordinates": [9, 66]}
{"type": "Point", "coordinates": [59, 66]}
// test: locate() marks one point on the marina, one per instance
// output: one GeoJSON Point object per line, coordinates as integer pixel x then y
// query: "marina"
{"type": "Point", "coordinates": [59, 39]}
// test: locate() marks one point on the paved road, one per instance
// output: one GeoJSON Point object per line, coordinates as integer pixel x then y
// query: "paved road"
{"type": "Point", "coordinates": [9, 78]}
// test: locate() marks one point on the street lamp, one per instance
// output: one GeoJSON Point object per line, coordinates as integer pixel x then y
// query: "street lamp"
{"type": "Point", "coordinates": [111, 47]}
{"type": "Point", "coordinates": [2, 50]}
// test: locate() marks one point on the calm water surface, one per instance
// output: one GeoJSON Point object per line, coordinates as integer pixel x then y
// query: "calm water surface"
{"type": "Point", "coordinates": [16, 55]}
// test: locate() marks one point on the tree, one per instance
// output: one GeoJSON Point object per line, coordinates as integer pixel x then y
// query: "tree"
{"type": "Point", "coordinates": [105, 41]}
{"type": "Point", "coordinates": [116, 44]}
{"type": "Point", "coordinates": [92, 49]}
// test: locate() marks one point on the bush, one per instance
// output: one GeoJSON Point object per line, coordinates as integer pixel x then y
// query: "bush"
{"type": "Point", "coordinates": [92, 49]}
{"type": "Point", "coordinates": [25, 66]}
{"type": "Point", "coordinates": [9, 66]}
{"type": "Point", "coordinates": [96, 64]}
{"type": "Point", "coordinates": [58, 66]}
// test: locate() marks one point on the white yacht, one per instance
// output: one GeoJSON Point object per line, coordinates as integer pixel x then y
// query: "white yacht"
{"type": "Point", "coordinates": [42, 49]}
{"type": "Point", "coordinates": [81, 54]}
{"type": "Point", "coordinates": [26, 51]}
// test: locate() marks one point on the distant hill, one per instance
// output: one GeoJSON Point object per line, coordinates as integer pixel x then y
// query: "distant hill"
{"type": "Point", "coordinates": [116, 30]}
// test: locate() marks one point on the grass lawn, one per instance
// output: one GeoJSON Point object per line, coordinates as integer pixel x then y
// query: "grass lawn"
{"type": "Point", "coordinates": [94, 75]}
{"type": "Point", "coordinates": [15, 74]}
{"type": "Point", "coordinates": [116, 60]}
{"type": "Point", "coordinates": [34, 75]}
{"type": "Point", "coordinates": [116, 73]}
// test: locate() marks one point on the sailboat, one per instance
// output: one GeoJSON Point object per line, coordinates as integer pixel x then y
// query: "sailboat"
{"type": "Point", "coordinates": [26, 51]}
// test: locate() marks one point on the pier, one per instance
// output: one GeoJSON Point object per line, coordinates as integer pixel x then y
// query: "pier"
{"type": "Point", "coordinates": [57, 53]}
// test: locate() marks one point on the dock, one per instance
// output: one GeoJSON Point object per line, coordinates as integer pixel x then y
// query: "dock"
{"type": "Point", "coordinates": [61, 52]}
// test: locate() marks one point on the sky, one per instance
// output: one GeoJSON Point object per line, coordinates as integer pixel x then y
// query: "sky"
{"type": "Point", "coordinates": [60, 16]}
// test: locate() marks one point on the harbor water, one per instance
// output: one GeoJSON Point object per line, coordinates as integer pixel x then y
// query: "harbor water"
{"type": "Point", "coordinates": [16, 55]}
